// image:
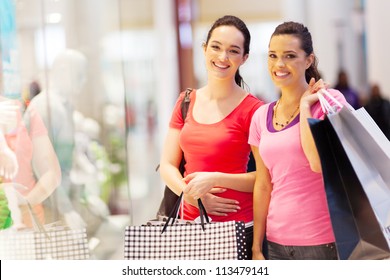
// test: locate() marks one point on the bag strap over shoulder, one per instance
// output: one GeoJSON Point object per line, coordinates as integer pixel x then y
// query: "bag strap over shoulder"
{"type": "Point", "coordinates": [185, 104]}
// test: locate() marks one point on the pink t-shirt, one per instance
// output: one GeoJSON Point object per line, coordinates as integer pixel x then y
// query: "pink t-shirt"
{"type": "Point", "coordinates": [222, 146]}
{"type": "Point", "coordinates": [298, 213]}
{"type": "Point", "coordinates": [20, 141]}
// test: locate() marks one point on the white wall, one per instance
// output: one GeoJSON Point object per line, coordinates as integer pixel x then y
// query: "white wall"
{"type": "Point", "coordinates": [331, 22]}
{"type": "Point", "coordinates": [378, 43]}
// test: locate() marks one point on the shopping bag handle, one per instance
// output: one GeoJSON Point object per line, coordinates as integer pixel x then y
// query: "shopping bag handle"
{"type": "Point", "coordinates": [327, 108]}
{"type": "Point", "coordinates": [174, 213]}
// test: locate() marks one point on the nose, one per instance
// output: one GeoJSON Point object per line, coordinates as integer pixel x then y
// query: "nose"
{"type": "Point", "coordinates": [223, 56]}
{"type": "Point", "coordinates": [280, 62]}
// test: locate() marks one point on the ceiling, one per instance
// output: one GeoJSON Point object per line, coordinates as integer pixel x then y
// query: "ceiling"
{"type": "Point", "coordinates": [137, 13]}
{"type": "Point", "coordinates": [256, 10]}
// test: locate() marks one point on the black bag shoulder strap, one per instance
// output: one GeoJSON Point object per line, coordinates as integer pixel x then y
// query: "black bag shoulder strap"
{"type": "Point", "coordinates": [185, 104]}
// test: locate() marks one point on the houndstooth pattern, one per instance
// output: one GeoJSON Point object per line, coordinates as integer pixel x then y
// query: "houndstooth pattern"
{"type": "Point", "coordinates": [62, 244]}
{"type": "Point", "coordinates": [219, 241]}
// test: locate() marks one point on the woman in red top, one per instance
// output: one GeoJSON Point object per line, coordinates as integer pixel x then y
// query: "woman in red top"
{"type": "Point", "coordinates": [214, 134]}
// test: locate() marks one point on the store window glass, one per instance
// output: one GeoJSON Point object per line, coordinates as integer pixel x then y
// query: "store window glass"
{"type": "Point", "coordinates": [87, 70]}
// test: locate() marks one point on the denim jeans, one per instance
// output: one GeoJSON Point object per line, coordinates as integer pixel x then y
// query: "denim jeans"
{"type": "Point", "coordinates": [318, 252]}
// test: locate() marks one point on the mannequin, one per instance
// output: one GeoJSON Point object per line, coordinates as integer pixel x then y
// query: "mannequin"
{"type": "Point", "coordinates": [66, 78]}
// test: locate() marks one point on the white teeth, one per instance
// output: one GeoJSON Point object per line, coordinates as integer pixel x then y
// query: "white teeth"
{"type": "Point", "coordinates": [221, 66]}
{"type": "Point", "coordinates": [281, 74]}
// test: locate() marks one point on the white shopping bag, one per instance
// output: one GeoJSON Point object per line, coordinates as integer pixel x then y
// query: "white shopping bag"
{"type": "Point", "coordinates": [368, 150]}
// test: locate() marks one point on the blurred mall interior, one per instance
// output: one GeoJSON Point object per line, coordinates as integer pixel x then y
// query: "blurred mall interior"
{"type": "Point", "coordinates": [116, 67]}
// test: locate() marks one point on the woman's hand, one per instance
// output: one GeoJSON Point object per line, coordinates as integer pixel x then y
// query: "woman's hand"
{"type": "Point", "coordinates": [8, 163]}
{"type": "Point", "coordinates": [200, 183]}
{"type": "Point", "coordinates": [309, 98]}
{"type": "Point", "coordinates": [257, 255]}
{"type": "Point", "coordinates": [219, 206]}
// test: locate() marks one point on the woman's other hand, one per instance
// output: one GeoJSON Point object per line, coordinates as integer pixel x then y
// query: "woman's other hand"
{"type": "Point", "coordinates": [219, 206]}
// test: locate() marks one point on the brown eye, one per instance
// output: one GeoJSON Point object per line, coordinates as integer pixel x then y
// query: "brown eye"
{"type": "Point", "coordinates": [290, 56]}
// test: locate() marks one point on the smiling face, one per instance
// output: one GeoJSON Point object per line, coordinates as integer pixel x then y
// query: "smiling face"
{"type": "Point", "coordinates": [287, 61]}
{"type": "Point", "coordinates": [224, 52]}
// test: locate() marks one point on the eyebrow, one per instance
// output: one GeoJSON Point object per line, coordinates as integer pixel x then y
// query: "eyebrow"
{"type": "Point", "coordinates": [271, 51]}
{"type": "Point", "coordinates": [232, 46]}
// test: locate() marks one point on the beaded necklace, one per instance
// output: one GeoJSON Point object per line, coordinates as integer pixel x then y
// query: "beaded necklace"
{"type": "Point", "coordinates": [281, 124]}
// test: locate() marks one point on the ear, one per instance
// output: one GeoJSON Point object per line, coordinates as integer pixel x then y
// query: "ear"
{"type": "Point", "coordinates": [204, 46]}
{"type": "Point", "coordinates": [244, 59]}
{"type": "Point", "coordinates": [309, 60]}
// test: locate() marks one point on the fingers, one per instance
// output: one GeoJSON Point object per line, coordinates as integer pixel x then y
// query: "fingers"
{"type": "Point", "coordinates": [229, 209]}
{"type": "Point", "coordinates": [189, 177]}
{"type": "Point", "coordinates": [221, 206]}
{"type": "Point", "coordinates": [226, 202]}
{"type": "Point", "coordinates": [217, 190]}
{"type": "Point", "coordinates": [187, 189]}
{"type": "Point", "coordinates": [195, 191]}
{"type": "Point", "coordinates": [186, 180]}
{"type": "Point", "coordinates": [8, 164]}
{"type": "Point", "coordinates": [315, 87]}
{"type": "Point", "coordinates": [215, 213]}
{"type": "Point", "coordinates": [222, 211]}
{"type": "Point", "coordinates": [9, 171]}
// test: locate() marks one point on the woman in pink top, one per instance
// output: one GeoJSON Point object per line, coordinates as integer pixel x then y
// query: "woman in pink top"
{"type": "Point", "coordinates": [214, 134]}
{"type": "Point", "coordinates": [290, 206]}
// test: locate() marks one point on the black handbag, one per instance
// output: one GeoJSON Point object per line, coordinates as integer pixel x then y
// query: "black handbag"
{"type": "Point", "coordinates": [169, 199]}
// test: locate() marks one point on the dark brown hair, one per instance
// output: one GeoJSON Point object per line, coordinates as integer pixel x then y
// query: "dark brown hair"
{"type": "Point", "coordinates": [302, 33]}
{"type": "Point", "coordinates": [229, 20]}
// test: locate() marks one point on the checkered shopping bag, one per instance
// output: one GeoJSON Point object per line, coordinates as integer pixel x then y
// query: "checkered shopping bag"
{"type": "Point", "coordinates": [218, 241]}
{"type": "Point", "coordinates": [57, 242]}
{"type": "Point", "coordinates": [186, 241]}
{"type": "Point", "coordinates": [51, 241]}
